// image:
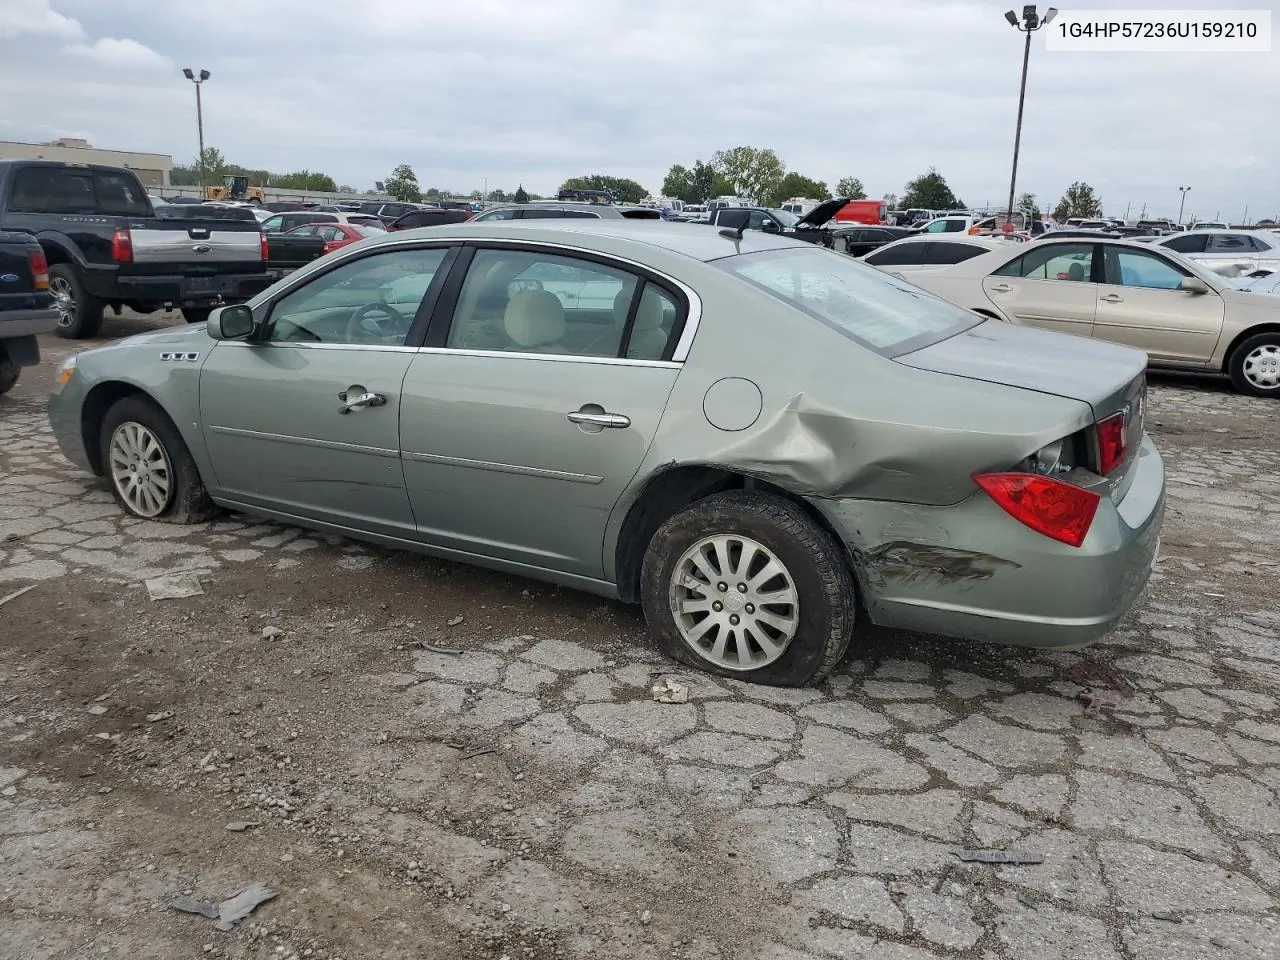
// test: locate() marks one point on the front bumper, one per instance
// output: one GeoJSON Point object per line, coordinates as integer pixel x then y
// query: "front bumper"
{"type": "Point", "coordinates": [973, 572]}
{"type": "Point", "coordinates": [65, 420]}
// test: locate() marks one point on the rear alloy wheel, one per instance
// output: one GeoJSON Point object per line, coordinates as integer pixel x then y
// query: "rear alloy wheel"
{"type": "Point", "coordinates": [747, 585]}
{"type": "Point", "coordinates": [1254, 366]}
{"type": "Point", "coordinates": [151, 471]}
{"type": "Point", "coordinates": [79, 313]}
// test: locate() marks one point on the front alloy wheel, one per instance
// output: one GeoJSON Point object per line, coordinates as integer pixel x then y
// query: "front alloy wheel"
{"type": "Point", "coordinates": [140, 469]}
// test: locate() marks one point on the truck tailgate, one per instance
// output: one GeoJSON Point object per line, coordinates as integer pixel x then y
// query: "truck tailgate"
{"type": "Point", "coordinates": [197, 244]}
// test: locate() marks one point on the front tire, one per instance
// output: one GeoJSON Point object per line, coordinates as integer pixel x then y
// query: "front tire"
{"type": "Point", "coordinates": [1254, 366]}
{"type": "Point", "coordinates": [149, 467]}
{"type": "Point", "coordinates": [79, 312]}
{"type": "Point", "coordinates": [747, 585]}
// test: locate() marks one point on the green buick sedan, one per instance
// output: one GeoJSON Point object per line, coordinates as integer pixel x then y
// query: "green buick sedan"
{"type": "Point", "coordinates": [764, 443]}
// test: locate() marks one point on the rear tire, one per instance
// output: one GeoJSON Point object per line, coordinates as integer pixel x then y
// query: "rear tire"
{"type": "Point", "coordinates": [807, 608]}
{"type": "Point", "coordinates": [1254, 366]}
{"type": "Point", "coordinates": [79, 313]}
{"type": "Point", "coordinates": [8, 371]}
{"type": "Point", "coordinates": [151, 472]}
{"type": "Point", "coordinates": [196, 314]}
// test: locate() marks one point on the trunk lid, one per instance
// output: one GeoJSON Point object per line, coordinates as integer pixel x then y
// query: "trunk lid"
{"type": "Point", "coordinates": [1110, 378]}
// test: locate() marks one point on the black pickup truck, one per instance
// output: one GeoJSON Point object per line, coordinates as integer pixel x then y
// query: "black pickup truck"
{"type": "Point", "coordinates": [106, 246]}
{"type": "Point", "coordinates": [26, 306]}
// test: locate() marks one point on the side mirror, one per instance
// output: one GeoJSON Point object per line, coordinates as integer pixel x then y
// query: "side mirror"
{"type": "Point", "coordinates": [230, 323]}
{"type": "Point", "coordinates": [769, 226]}
{"type": "Point", "coordinates": [1193, 285]}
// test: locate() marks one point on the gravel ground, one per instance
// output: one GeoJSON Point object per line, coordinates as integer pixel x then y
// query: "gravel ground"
{"type": "Point", "coordinates": [435, 761]}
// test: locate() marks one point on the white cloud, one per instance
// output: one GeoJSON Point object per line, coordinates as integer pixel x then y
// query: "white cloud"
{"type": "Point", "coordinates": [513, 91]}
{"type": "Point", "coordinates": [36, 18]}
{"type": "Point", "coordinates": [124, 54]}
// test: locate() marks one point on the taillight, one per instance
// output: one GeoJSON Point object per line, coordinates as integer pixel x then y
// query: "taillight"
{"type": "Point", "coordinates": [122, 246]}
{"type": "Point", "coordinates": [1059, 510]}
{"type": "Point", "coordinates": [1113, 442]}
{"type": "Point", "coordinates": [263, 246]}
{"type": "Point", "coordinates": [39, 269]}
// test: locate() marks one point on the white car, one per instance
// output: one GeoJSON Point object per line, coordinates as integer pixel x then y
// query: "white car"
{"type": "Point", "coordinates": [927, 251]}
{"type": "Point", "coordinates": [1180, 313]}
{"type": "Point", "coordinates": [1231, 253]}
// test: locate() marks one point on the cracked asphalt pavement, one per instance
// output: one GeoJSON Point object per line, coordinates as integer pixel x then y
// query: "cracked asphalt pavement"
{"type": "Point", "coordinates": [426, 760]}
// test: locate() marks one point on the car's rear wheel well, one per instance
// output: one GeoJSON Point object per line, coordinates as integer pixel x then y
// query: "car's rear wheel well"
{"type": "Point", "coordinates": [1242, 337]}
{"type": "Point", "coordinates": [94, 410]}
{"type": "Point", "coordinates": [55, 254]}
{"type": "Point", "coordinates": [672, 491]}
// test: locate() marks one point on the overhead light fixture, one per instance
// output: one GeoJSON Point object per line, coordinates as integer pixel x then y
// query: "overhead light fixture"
{"type": "Point", "coordinates": [186, 71]}
{"type": "Point", "coordinates": [1009, 15]}
{"type": "Point", "coordinates": [1050, 14]}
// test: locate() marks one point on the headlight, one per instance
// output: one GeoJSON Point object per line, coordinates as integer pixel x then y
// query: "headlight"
{"type": "Point", "coordinates": [65, 371]}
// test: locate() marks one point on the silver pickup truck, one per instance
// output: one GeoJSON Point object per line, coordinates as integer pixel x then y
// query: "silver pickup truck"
{"type": "Point", "coordinates": [108, 247]}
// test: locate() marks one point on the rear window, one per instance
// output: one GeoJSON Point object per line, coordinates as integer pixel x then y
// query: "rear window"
{"type": "Point", "coordinates": [70, 190]}
{"type": "Point", "coordinates": [946, 251]}
{"type": "Point", "coordinates": [900, 255]}
{"type": "Point", "coordinates": [878, 311]}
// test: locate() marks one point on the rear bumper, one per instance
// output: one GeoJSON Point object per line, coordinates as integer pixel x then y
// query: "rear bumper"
{"type": "Point", "coordinates": [180, 290]}
{"type": "Point", "coordinates": [973, 572]}
{"type": "Point", "coordinates": [27, 323]}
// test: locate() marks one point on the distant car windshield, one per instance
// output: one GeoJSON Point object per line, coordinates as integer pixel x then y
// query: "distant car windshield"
{"type": "Point", "coordinates": [366, 230]}
{"type": "Point", "coordinates": [879, 311]}
{"type": "Point", "coordinates": [786, 218]}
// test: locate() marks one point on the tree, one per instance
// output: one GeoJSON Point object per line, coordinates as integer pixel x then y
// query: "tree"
{"type": "Point", "coordinates": [930, 191]}
{"type": "Point", "coordinates": [306, 180]}
{"type": "Point", "coordinates": [678, 183]}
{"type": "Point", "coordinates": [1078, 201]}
{"type": "Point", "coordinates": [620, 188]}
{"type": "Point", "coordinates": [1028, 206]}
{"type": "Point", "coordinates": [753, 172]}
{"type": "Point", "coordinates": [798, 185]}
{"type": "Point", "coordinates": [891, 200]}
{"type": "Point", "coordinates": [852, 188]}
{"type": "Point", "coordinates": [403, 184]}
{"type": "Point", "coordinates": [521, 196]}
{"type": "Point", "coordinates": [497, 196]}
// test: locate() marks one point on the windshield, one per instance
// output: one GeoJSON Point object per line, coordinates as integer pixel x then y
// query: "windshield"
{"type": "Point", "coordinates": [877, 310]}
{"type": "Point", "coordinates": [366, 230]}
{"type": "Point", "coordinates": [786, 218]}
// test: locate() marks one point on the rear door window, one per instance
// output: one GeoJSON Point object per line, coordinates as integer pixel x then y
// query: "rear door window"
{"type": "Point", "coordinates": [1190, 243]}
{"type": "Point", "coordinates": [1057, 261]}
{"type": "Point", "coordinates": [899, 255]}
{"type": "Point", "coordinates": [946, 251]}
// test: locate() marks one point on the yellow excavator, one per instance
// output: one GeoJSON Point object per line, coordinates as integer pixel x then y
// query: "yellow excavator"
{"type": "Point", "coordinates": [235, 188]}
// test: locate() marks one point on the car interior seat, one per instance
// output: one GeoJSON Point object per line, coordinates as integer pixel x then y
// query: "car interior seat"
{"type": "Point", "coordinates": [534, 322]}
{"type": "Point", "coordinates": [478, 320]}
{"type": "Point", "coordinates": [1075, 271]}
{"type": "Point", "coordinates": [648, 339]}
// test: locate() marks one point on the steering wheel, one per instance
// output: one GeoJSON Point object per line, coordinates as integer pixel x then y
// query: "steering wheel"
{"type": "Point", "coordinates": [364, 324]}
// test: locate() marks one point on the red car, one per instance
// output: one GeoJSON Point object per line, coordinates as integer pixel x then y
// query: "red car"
{"type": "Point", "coordinates": [334, 235]}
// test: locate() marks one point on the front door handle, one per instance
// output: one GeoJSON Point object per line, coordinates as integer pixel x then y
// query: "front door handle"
{"type": "Point", "coordinates": [359, 398]}
{"type": "Point", "coordinates": [615, 420]}
{"type": "Point", "coordinates": [1001, 288]}
{"type": "Point", "coordinates": [1112, 298]}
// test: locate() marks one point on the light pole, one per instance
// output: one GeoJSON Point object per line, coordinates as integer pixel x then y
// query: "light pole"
{"type": "Point", "coordinates": [204, 75]}
{"type": "Point", "coordinates": [1031, 22]}
{"type": "Point", "coordinates": [1183, 203]}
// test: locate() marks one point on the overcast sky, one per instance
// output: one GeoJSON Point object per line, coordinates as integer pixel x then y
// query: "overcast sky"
{"type": "Point", "coordinates": [534, 91]}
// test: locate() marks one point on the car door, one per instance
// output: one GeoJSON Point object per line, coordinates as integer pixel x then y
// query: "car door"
{"type": "Point", "coordinates": [304, 418]}
{"type": "Point", "coordinates": [1050, 286]}
{"type": "Point", "coordinates": [1231, 254]}
{"type": "Point", "coordinates": [1140, 304]}
{"type": "Point", "coordinates": [900, 258]}
{"type": "Point", "coordinates": [524, 420]}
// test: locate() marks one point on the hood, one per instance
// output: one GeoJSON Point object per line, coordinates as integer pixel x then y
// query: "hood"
{"type": "Point", "coordinates": [1098, 373]}
{"type": "Point", "coordinates": [194, 335]}
{"type": "Point", "coordinates": [823, 212]}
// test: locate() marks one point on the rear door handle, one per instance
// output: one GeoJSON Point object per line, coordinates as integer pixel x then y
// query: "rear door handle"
{"type": "Point", "coordinates": [1112, 298]}
{"type": "Point", "coordinates": [1002, 288]}
{"type": "Point", "coordinates": [615, 420]}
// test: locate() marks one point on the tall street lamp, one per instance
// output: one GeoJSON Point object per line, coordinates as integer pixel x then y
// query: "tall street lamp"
{"type": "Point", "coordinates": [204, 75]}
{"type": "Point", "coordinates": [1182, 204]}
{"type": "Point", "coordinates": [1030, 22]}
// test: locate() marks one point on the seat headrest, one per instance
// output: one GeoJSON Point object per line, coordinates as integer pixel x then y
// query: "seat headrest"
{"type": "Point", "coordinates": [649, 313]}
{"type": "Point", "coordinates": [622, 303]}
{"type": "Point", "coordinates": [534, 318]}
{"type": "Point", "coordinates": [1075, 271]}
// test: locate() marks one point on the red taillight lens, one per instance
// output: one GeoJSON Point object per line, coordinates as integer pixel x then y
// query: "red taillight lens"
{"type": "Point", "coordinates": [122, 246]}
{"type": "Point", "coordinates": [1054, 508]}
{"type": "Point", "coordinates": [1112, 442]}
{"type": "Point", "coordinates": [39, 269]}
{"type": "Point", "coordinates": [263, 246]}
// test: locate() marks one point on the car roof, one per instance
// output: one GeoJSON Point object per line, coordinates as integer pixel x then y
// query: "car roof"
{"type": "Point", "coordinates": [991, 243]}
{"type": "Point", "coordinates": [695, 241]}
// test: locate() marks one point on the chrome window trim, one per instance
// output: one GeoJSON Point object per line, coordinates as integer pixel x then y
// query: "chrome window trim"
{"type": "Point", "coordinates": [555, 357]}
{"type": "Point", "coordinates": [357, 250]}
{"type": "Point", "coordinates": [290, 344]}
